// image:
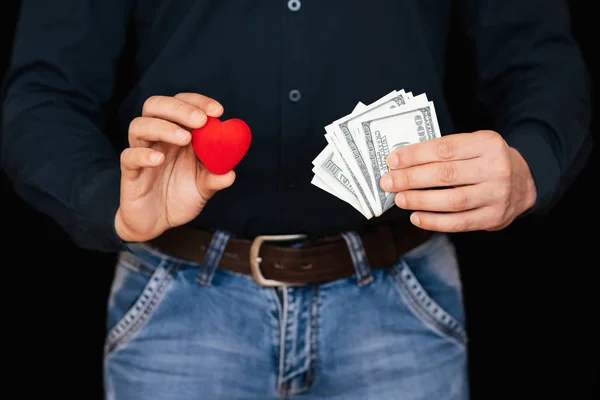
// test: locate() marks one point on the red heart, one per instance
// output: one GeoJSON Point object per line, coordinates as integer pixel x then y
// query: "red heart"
{"type": "Point", "coordinates": [220, 146]}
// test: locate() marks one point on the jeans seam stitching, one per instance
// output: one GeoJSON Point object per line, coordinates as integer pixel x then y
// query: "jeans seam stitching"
{"type": "Point", "coordinates": [131, 328]}
{"type": "Point", "coordinates": [314, 338]}
{"type": "Point", "coordinates": [312, 364]}
{"type": "Point", "coordinates": [283, 385]}
{"type": "Point", "coordinates": [214, 253]}
{"type": "Point", "coordinates": [456, 334]}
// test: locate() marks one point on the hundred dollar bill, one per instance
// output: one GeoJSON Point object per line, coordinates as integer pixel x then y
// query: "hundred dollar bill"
{"type": "Point", "coordinates": [348, 177]}
{"type": "Point", "coordinates": [357, 151]}
{"type": "Point", "coordinates": [358, 131]}
{"type": "Point", "coordinates": [332, 181]}
{"type": "Point", "coordinates": [391, 132]}
{"type": "Point", "coordinates": [354, 125]}
{"type": "Point", "coordinates": [326, 169]}
{"type": "Point", "coordinates": [330, 168]}
{"type": "Point", "coordinates": [321, 184]}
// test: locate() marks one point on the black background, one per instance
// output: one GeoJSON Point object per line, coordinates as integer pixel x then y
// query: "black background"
{"type": "Point", "coordinates": [530, 289]}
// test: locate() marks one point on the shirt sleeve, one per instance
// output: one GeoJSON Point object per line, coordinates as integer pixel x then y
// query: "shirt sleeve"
{"type": "Point", "coordinates": [533, 82]}
{"type": "Point", "coordinates": [54, 146]}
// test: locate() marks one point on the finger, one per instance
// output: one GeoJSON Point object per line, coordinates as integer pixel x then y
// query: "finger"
{"type": "Point", "coordinates": [145, 130]}
{"type": "Point", "coordinates": [461, 146]}
{"type": "Point", "coordinates": [462, 198]}
{"type": "Point", "coordinates": [209, 105]}
{"type": "Point", "coordinates": [209, 183]}
{"type": "Point", "coordinates": [471, 220]}
{"type": "Point", "coordinates": [450, 173]}
{"type": "Point", "coordinates": [175, 110]}
{"type": "Point", "coordinates": [134, 159]}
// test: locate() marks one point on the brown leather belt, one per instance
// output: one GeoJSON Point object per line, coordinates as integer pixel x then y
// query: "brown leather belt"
{"type": "Point", "coordinates": [316, 260]}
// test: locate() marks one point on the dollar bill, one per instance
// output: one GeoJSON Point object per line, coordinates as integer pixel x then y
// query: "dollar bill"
{"type": "Point", "coordinates": [353, 161]}
{"type": "Point", "coordinates": [331, 172]}
{"type": "Point", "coordinates": [359, 132]}
{"type": "Point", "coordinates": [342, 133]}
{"type": "Point", "coordinates": [393, 131]}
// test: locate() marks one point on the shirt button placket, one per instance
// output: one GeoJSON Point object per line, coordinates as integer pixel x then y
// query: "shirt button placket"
{"type": "Point", "coordinates": [296, 54]}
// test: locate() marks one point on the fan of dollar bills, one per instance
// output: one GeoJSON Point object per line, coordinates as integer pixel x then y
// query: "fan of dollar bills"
{"type": "Point", "coordinates": [354, 160]}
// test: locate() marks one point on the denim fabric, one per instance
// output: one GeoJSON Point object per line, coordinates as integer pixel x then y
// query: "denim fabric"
{"type": "Point", "coordinates": [181, 331]}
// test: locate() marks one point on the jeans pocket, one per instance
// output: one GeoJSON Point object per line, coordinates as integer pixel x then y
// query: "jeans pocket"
{"type": "Point", "coordinates": [139, 286]}
{"type": "Point", "coordinates": [429, 283]}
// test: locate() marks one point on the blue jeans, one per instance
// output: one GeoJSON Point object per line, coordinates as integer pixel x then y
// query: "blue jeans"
{"type": "Point", "coordinates": [180, 331]}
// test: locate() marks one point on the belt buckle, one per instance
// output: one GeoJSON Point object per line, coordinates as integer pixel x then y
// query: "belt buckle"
{"type": "Point", "coordinates": [255, 258]}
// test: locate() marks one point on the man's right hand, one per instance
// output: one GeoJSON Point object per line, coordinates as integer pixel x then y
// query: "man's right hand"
{"type": "Point", "coordinates": [163, 185]}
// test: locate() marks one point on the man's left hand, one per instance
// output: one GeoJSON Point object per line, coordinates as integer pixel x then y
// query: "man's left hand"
{"type": "Point", "coordinates": [476, 182]}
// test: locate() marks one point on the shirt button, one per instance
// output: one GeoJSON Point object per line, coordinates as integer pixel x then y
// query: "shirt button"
{"type": "Point", "coordinates": [294, 5]}
{"type": "Point", "coordinates": [295, 95]}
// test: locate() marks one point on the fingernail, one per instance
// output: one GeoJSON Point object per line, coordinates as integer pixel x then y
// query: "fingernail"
{"type": "Point", "coordinates": [392, 160]}
{"type": "Point", "coordinates": [155, 157]}
{"type": "Point", "coordinates": [401, 200]}
{"type": "Point", "coordinates": [181, 135]}
{"type": "Point", "coordinates": [198, 117]}
{"type": "Point", "coordinates": [214, 108]}
{"type": "Point", "coordinates": [386, 182]}
{"type": "Point", "coordinates": [414, 218]}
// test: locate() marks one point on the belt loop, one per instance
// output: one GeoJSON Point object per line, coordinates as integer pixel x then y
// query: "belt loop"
{"type": "Point", "coordinates": [213, 255]}
{"type": "Point", "coordinates": [359, 257]}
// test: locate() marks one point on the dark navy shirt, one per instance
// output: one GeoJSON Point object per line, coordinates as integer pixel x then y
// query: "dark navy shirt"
{"type": "Point", "coordinates": [287, 68]}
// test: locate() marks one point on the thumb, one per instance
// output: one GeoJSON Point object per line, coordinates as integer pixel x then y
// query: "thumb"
{"type": "Point", "coordinates": [209, 183]}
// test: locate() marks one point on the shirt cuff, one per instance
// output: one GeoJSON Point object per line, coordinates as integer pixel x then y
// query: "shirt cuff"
{"type": "Point", "coordinates": [99, 202]}
{"type": "Point", "coordinates": [531, 142]}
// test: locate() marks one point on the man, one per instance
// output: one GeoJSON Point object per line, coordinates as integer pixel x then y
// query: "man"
{"type": "Point", "coordinates": [254, 283]}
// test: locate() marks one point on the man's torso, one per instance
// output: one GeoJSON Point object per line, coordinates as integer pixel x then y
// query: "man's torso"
{"type": "Point", "coordinates": [249, 55]}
